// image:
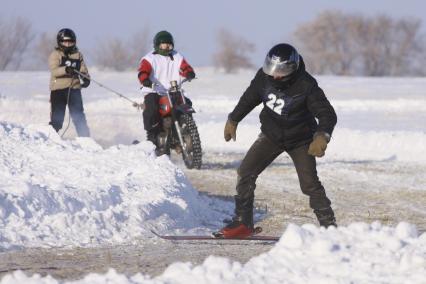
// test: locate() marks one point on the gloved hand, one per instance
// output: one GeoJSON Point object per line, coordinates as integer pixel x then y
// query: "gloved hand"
{"type": "Point", "coordinates": [86, 83]}
{"type": "Point", "coordinates": [147, 83]}
{"type": "Point", "coordinates": [190, 75]}
{"type": "Point", "coordinates": [70, 70]}
{"type": "Point", "coordinates": [319, 144]}
{"type": "Point", "coordinates": [230, 130]}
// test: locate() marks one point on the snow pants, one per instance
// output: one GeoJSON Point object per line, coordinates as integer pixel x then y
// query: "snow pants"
{"type": "Point", "coordinates": [151, 116]}
{"type": "Point", "coordinates": [58, 102]}
{"type": "Point", "coordinates": [259, 156]}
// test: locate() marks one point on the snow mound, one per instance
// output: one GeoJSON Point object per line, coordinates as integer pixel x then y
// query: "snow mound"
{"type": "Point", "coordinates": [346, 144]}
{"type": "Point", "coordinates": [358, 253]}
{"type": "Point", "coordinates": [356, 145]}
{"type": "Point", "coordinates": [74, 193]}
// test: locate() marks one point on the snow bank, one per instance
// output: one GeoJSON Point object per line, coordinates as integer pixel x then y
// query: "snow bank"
{"type": "Point", "coordinates": [74, 193]}
{"type": "Point", "coordinates": [346, 144]}
{"type": "Point", "coordinates": [382, 107]}
{"type": "Point", "coordinates": [223, 105]}
{"type": "Point", "coordinates": [359, 253]}
{"type": "Point", "coordinates": [394, 106]}
{"type": "Point", "coordinates": [59, 193]}
{"type": "Point", "coordinates": [356, 145]}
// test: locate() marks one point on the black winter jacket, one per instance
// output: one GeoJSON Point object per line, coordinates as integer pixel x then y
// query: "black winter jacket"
{"type": "Point", "coordinates": [289, 108]}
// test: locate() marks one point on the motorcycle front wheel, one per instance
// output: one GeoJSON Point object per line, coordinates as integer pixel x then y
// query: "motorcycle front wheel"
{"type": "Point", "coordinates": [191, 141]}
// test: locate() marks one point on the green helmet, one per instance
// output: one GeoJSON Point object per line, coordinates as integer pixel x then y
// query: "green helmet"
{"type": "Point", "coordinates": [163, 37]}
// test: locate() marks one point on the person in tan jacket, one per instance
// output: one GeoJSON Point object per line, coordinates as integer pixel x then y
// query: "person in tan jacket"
{"type": "Point", "coordinates": [66, 84]}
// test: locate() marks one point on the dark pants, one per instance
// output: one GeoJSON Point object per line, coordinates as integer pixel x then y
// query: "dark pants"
{"type": "Point", "coordinates": [260, 155]}
{"type": "Point", "coordinates": [58, 102]}
{"type": "Point", "coordinates": [151, 115]}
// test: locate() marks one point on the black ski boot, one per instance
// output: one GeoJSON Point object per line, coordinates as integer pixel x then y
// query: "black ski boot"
{"type": "Point", "coordinates": [326, 217]}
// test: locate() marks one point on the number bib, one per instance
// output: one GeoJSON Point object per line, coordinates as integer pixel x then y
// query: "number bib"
{"type": "Point", "coordinates": [75, 63]}
{"type": "Point", "coordinates": [278, 102]}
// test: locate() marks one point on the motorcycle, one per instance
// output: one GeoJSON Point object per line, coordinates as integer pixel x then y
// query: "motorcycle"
{"type": "Point", "coordinates": [179, 131]}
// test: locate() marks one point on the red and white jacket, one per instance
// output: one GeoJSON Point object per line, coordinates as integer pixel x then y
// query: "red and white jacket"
{"type": "Point", "coordinates": [162, 69]}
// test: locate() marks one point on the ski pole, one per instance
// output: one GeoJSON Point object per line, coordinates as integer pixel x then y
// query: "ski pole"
{"type": "Point", "coordinates": [135, 104]}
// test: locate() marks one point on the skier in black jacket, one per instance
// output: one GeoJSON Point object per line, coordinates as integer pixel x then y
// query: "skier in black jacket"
{"type": "Point", "coordinates": [292, 102]}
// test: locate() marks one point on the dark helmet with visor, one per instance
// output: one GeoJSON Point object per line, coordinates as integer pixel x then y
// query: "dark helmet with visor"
{"type": "Point", "coordinates": [163, 37]}
{"type": "Point", "coordinates": [63, 36]}
{"type": "Point", "coordinates": [281, 61]}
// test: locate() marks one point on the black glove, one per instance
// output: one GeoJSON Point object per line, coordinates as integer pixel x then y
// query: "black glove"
{"type": "Point", "coordinates": [147, 83]}
{"type": "Point", "coordinates": [70, 70]}
{"type": "Point", "coordinates": [86, 83]}
{"type": "Point", "coordinates": [190, 75]}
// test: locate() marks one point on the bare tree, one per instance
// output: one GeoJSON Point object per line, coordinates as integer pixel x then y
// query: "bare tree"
{"type": "Point", "coordinates": [326, 44]}
{"type": "Point", "coordinates": [120, 55]}
{"type": "Point", "coordinates": [418, 58]}
{"type": "Point", "coordinates": [376, 40]}
{"type": "Point", "coordinates": [139, 45]}
{"type": "Point", "coordinates": [112, 54]}
{"type": "Point", "coordinates": [408, 45]}
{"type": "Point", "coordinates": [350, 44]}
{"type": "Point", "coordinates": [43, 47]}
{"type": "Point", "coordinates": [233, 52]}
{"type": "Point", "coordinates": [391, 47]}
{"type": "Point", "coordinates": [15, 36]}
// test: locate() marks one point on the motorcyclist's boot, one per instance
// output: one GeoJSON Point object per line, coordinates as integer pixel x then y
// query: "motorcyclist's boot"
{"type": "Point", "coordinates": [151, 135]}
{"type": "Point", "coordinates": [161, 144]}
{"type": "Point", "coordinates": [158, 139]}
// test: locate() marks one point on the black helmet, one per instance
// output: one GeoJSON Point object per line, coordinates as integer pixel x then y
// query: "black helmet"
{"type": "Point", "coordinates": [281, 61]}
{"type": "Point", "coordinates": [163, 37]}
{"type": "Point", "coordinates": [66, 35]}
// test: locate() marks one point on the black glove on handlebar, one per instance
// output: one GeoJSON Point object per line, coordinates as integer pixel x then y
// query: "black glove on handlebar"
{"type": "Point", "coordinates": [147, 83]}
{"type": "Point", "coordinates": [190, 75]}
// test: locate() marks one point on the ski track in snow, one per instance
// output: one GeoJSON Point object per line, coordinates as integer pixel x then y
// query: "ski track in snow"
{"type": "Point", "coordinates": [64, 194]}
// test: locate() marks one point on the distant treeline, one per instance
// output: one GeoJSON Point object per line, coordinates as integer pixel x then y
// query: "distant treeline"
{"type": "Point", "coordinates": [352, 44]}
{"type": "Point", "coordinates": [333, 43]}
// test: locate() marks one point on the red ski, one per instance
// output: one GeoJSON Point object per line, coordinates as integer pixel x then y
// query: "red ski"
{"type": "Point", "coordinates": [215, 236]}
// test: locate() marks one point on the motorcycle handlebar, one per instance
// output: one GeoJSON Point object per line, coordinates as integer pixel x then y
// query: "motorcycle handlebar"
{"type": "Point", "coordinates": [180, 85]}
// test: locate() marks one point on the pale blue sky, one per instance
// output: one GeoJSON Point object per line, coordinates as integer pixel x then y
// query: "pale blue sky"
{"type": "Point", "coordinates": [193, 23]}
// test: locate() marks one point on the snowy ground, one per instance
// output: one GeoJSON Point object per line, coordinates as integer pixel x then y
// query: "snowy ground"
{"type": "Point", "coordinates": [76, 199]}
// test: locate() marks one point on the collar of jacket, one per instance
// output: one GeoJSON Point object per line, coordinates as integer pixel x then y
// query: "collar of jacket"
{"type": "Point", "coordinates": [74, 50]}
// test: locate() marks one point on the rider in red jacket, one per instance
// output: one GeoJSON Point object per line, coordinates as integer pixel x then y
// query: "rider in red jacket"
{"type": "Point", "coordinates": [156, 70]}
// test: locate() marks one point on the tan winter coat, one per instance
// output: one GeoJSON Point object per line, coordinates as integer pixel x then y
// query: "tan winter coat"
{"type": "Point", "coordinates": [59, 79]}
